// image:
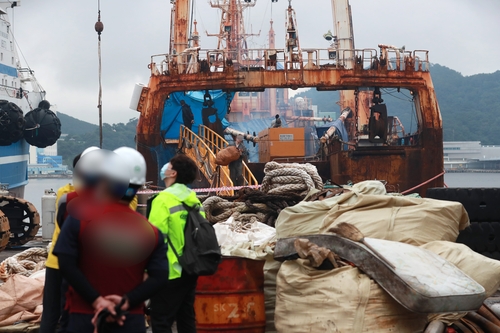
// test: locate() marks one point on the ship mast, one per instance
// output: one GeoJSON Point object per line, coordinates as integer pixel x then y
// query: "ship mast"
{"type": "Point", "coordinates": [232, 36]}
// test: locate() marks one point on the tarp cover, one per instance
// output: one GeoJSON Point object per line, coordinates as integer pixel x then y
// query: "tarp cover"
{"type": "Point", "coordinates": [20, 300]}
{"type": "Point", "coordinates": [413, 221]}
{"type": "Point", "coordinates": [172, 112]}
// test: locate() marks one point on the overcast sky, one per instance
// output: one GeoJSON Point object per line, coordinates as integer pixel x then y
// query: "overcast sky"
{"type": "Point", "coordinates": [60, 44]}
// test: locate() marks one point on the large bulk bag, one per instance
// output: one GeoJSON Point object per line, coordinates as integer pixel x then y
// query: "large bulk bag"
{"type": "Point", "coordinates": [227, 155]}
{"type": "Point", "coordinates": [338, 300]}
{"type": "Point", "coordinates": [271, 268]}
{"type": "Point", "coordinates": [408, 220]}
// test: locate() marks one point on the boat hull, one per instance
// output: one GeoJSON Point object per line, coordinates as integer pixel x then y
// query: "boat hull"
{"type": "Point", "coordinates": [14, 167]}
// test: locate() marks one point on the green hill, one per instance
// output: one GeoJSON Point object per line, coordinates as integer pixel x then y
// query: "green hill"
{"type": "Point", "coordinates": [114, 136]}
{"type": "Point", "coordinates": [470, 105]}
{"type": "Point", "coordinates": [73, 126]}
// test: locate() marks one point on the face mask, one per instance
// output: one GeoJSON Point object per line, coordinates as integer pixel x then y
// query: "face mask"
{"type": "Point", "coordinates": [164, 170]}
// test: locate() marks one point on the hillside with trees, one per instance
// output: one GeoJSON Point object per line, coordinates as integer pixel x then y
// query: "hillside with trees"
{"type": "Point", "coordinates": [114, 136]}
{"type": "Point", "coordinates": [470, 105]}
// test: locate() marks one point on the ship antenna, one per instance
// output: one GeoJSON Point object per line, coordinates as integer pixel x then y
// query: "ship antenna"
{"type": "Point", "coordinates": [99, 27]}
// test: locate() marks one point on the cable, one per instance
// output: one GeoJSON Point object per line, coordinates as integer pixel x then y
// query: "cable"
{"type": "Point", "coordinates": [99, 27]}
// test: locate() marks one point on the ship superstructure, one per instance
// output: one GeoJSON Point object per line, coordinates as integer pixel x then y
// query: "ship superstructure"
{"type": "Point", "coordinates": [370, 148]}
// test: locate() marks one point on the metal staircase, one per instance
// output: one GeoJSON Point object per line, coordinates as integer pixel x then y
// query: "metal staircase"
{"type": "Point", "coordinates": [216, 143]}
{"type": "Point", "coordinates": [202, 150]}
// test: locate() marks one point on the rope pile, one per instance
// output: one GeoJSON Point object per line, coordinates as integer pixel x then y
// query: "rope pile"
{"type": "Point", "coordinates": [284, 185]}
{"type": "Point", "coordinates": [249, 206]}
{"type": "Point", "coordinates": [290, 178]}
{"type": "Point", "coordinates": [24, 263]}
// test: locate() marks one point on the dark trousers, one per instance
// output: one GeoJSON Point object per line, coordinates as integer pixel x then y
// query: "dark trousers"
{"type": "Point", "coordinates": [236, 172]}
{"type": "Point", "coordinates": [51, 301]}
{"type": "Point", "coordinates": [175, 303]}
{"type": "Point", "coordinates": [188, 124]}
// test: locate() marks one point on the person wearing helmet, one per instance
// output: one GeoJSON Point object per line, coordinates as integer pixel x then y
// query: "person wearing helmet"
{"type": "Point", "coordinates": [53, 292]}
{"type": "Point", "coordinates": [137, 170]}
{"type": "Point", "coordinates": [104, 250]}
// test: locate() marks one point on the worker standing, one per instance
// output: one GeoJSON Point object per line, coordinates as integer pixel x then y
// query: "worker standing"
{"type": "Point", "coordinates": [175, 303]}
{"type": "Point", "coordinates": [53, 291]}
{"type": "Point", "coordinates": [104, 249]}
{"type": "Point", "coordinates": [187, 115]}
{"type": "Point", "coordinates": [236, 167]}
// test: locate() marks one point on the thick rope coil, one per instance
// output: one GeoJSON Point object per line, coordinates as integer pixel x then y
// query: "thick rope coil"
{"type": "Point", "coordinates": [307, 167]}
{"type": "Point", "coordinates": [24, 263]}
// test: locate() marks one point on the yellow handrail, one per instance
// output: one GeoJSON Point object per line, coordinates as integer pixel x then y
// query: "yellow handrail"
{"type": "Point", "coordinates": [196, 149]}
{"type": "Point", "coordinates": [216, 143]}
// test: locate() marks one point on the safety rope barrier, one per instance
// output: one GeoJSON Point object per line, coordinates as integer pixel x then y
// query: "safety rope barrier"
{"type": "Point", "coordinates": [422, 184]}
{"type": "Point", "coordinates": [208, 189]}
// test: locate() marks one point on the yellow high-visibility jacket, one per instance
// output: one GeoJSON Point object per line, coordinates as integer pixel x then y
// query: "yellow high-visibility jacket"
{"type": "Point", "coordinates": [169, 216]}
{"type": "Point", "coordinates": [52, 259]}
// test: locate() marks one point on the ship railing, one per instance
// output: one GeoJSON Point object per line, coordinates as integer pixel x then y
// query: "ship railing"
{"type": "Point", "coordinates": [216, 143]}
{"type": "Point", "coordinates": [196, 149]}
{"type": "Point", "coordinates": [421, 60]}
{"type": "Point", "coordinates": [196, 60]}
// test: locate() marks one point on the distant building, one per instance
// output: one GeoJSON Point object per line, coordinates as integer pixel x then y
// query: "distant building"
{"type": "Point", "coordinates": [470, 155]}
{"type": "Point", "coordinates": [44, 162]}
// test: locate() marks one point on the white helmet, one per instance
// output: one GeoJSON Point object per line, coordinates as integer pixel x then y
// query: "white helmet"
{"type": "Point", "coordinates": [88, 150]}
{"type": "Point", "coordinates": [136, 164]}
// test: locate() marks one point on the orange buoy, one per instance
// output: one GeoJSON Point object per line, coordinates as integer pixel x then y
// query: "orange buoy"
{"type": "Point", "coordinates": [232, 300]}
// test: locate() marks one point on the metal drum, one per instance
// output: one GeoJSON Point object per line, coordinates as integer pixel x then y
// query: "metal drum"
{"type": "Point", "coordinates": [232, 300]}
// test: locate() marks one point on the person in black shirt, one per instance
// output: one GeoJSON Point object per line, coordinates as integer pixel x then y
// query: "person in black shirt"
{"type": "Point", "coordinates": [187, 115]}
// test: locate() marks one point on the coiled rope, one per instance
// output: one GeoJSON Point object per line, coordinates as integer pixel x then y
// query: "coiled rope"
{"type": "Point", "coordinates": [291, 178]}
{"type": "Point", "coordinates": [24, 263]}
{"type": "Point", "coordinates": [284, 185]}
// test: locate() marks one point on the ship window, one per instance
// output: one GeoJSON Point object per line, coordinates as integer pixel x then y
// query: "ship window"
{"type": "Point", "coordinates": [11, 46]}
{"type": "Point", "coordinates": [1, 56]}
{"type": "Point", "coordinates": [4, 44]}
{"type": "Point", "coordinates": [12, 60]}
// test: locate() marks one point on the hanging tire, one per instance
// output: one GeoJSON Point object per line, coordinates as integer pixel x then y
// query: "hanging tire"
{"type": "Point", "coordinates": [4, 231]}
{"type": "Point", "coordinates": [482, 204]}
{"type": "Point", "coordinates": [24, 219]}
{"type": "Point", "coordinates": [42, 127]}
{"type": "Point", "coordinates": [11, 123]}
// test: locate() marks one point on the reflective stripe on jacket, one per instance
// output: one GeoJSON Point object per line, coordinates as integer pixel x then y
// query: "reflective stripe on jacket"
{"type": "Point", "coordinates": [169, 216]}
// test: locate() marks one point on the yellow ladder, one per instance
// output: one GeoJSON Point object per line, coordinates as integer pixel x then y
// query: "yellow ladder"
{"type": "Point", "coordinates": [203, 155]}
{"type": "Point", "coordinates": [216, 142]}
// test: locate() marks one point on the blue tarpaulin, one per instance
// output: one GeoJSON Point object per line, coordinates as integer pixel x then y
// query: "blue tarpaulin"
{"type": "Point", "coordinates": [172, 113]}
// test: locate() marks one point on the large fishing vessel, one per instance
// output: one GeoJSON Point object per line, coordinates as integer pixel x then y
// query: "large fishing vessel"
{"type": "Point", "coordinates": [225, 87]}
{"type": "Point", "coordinates": [20, 93]}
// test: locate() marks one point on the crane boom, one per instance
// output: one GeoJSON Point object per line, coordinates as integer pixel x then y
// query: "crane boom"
{"type": "Point", "coordinates": [344, 31]}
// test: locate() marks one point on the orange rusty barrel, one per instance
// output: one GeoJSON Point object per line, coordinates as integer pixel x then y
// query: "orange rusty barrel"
{"type": "Point", "coordinates": [232, 300]}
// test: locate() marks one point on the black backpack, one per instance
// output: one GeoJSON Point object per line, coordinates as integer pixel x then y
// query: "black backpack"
{"type": "Point", "coordinates": [201, 255]}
